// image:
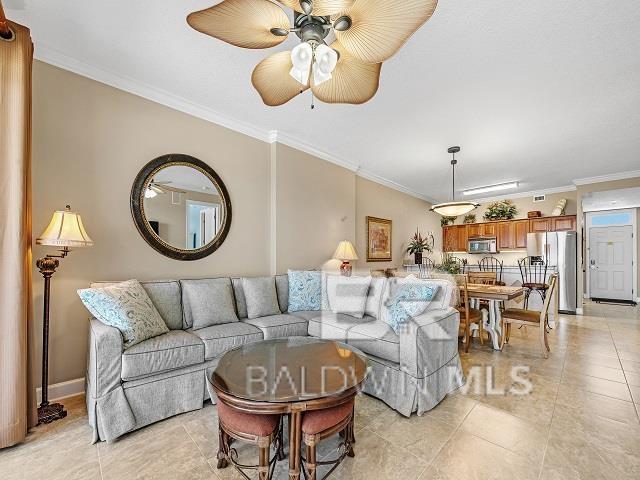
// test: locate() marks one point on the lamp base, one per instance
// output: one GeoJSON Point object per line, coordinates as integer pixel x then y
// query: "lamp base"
{"type": "Point", "coordinates": [50, 412]}
{"type": "Point", "coordinates": [346, 269]}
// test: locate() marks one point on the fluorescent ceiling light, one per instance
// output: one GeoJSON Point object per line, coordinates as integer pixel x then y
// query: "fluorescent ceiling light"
{"type": "Point", "coordinates": [491, 188]}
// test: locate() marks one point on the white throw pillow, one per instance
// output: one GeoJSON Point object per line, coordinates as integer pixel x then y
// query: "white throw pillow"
{"type": "Point", "coordinates": [348, 295]}
{"type": "Point", "coordinates": [127, 307]}
{"type": "Point", "coordinates": [374, 297]}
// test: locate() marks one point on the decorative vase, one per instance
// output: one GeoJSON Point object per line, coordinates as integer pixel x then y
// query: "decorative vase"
{"type": "Point", "coordinates": [418, 258]}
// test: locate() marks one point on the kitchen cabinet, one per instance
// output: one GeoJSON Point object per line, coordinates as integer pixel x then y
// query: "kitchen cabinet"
{"type": "Point", "coordinates": [520, 231]}
{"type": "Point", "coordinates": [510, 234]}
{"type": "Point", "coordinates": [538, 225]}
{"type": "Point", "coordinates": [560, 224]}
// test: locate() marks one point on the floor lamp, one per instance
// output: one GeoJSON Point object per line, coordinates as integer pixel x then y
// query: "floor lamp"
{"type": "Point", "coordinates": [65, 230]}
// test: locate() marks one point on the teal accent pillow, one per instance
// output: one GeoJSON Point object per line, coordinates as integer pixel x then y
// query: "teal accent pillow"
{"type": "Point", "coordinates": [127, 307]}
{"type": "Point", "coordinates": [409, 300]}
{"type": "Point", "coordinates": [305, 290]}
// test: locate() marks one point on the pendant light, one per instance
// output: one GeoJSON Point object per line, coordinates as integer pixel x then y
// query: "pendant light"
{"type": "Point", "coordinates": [453, 208]}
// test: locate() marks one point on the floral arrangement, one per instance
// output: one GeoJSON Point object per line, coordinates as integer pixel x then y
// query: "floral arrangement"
{"type": "Point", "coordinates": [449, 264]}
{"type": "Point", "coordinates": [470, 218]}
{"type": "Point", "coordinates": [419, 244]}
{"type": "Point", "coordinates": [444, 221]}
{"type": "Point", "coordinates": [502, 210]}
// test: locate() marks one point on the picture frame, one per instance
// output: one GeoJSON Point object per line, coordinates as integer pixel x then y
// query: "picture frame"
{"type": "Point", "coordinates": [379, 240]}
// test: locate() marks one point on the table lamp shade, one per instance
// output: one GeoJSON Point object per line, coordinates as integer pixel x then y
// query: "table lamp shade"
{"type": "Point", "coordinates": [65, 230]}
{"type": "Point", "coordinates": [345, 251]}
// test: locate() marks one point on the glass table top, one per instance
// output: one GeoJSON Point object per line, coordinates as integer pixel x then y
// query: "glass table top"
{"type": "Point", "coordinates": [290, 370]}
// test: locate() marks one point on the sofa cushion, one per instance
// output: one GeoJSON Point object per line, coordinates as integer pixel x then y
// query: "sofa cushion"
{"type": "Point", "coordinates": [334, 326]}
{"type": "Point", "coordinates": [281, 326]}
{"type": "Point", "coordinates": [282, 288]}
{"type": "Point", "coordinates": [374, 296]}
{"type": "Point", "coordinates": [170, 351]}
{"type": "Point", "coordinates": [238, 293]}
{"type": "Point", "coordinates": [127, 307]}
{"type": "Point", "coordinates": [208, 302]}
{"type": "Point", "coordinates": [348, 295]}
{"type": "Point", "coordinates": [167, 298]}
{"type": "Point", "coordinates": [307, 315]}
{"type": "Point", "coordinates": [376, 338]}
{"type": "Point", "coordinates": [260, 296]}
{"type": "Point", "coordinates": [305, 290]}
{"type": "Point", "coordinates": [219, 339]}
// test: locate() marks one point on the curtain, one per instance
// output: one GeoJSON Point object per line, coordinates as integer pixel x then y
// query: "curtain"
{"type": "Point", "coordinates": [17, 395]}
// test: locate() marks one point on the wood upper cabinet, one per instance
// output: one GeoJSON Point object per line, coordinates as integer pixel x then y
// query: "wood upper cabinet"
{"type": "Point", "coordinates": [537, 225]}
{"type": "Point", "coordinates": [449, 238]}
{"type": "Point", "coordinates": [506, 235]}
{"type": "Point", "coordinates": [462, 238]}
{"type": "Point", "coordinates": [559, 224]}
{"type": "Point", "coordinates": [474, 229]}
{"type": "Point", "coordinates": [520, 230]}
{"type": "Point", "coordinates": [488, 230]}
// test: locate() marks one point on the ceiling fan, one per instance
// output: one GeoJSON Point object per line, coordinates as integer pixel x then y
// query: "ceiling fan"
{"type": "Point", "coordinates": [160, 188]}
{"type": "Point", "coordinates": [366, 33]}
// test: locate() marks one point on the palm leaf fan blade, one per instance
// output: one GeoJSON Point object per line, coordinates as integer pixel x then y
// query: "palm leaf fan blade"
{"type": "Point", "coordinates": [243, 23]}
{"type": "Point", "coordinates": [381, 27]}
{"type": "Point", "coordinates": [272, 80]}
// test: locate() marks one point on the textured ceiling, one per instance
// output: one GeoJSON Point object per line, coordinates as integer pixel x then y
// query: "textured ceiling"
{"type": "Point", "coordinates": [540, 92]}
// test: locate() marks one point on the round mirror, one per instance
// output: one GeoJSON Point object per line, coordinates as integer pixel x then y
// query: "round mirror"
{"type": "Point", "coordinates": [181, 207]}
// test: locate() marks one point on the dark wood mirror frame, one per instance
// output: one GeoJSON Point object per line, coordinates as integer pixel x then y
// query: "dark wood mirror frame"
{"type": "Point", "coordinates": [140, 185]}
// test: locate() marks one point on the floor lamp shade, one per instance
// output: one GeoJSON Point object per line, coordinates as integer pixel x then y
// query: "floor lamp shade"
{"type": "Point", "coordinates": [65, 230]}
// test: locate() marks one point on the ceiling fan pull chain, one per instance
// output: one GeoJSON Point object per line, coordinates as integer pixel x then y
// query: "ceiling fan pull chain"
{"type": "Point", "coordinates": [312, 99]}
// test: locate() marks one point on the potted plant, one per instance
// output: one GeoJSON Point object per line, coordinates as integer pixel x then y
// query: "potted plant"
{"type": "Point", "coordinates": [501, 210]}
{"type": "Point", "coordinates": [470, 218]}
{"type": "Point", "coordinates": [444, 221]}
{"type": "Point", "coordinates": [419, 244]}
{"type": "Point", "coordinates": [448, 264]}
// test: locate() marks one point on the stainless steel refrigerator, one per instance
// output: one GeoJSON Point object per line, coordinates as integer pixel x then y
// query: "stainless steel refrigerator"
{"type": "Point", "coordinates": [559, 251]}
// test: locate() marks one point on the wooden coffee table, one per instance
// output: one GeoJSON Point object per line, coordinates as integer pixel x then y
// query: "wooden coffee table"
{"type": "Point", "coordinates": [290, 376]}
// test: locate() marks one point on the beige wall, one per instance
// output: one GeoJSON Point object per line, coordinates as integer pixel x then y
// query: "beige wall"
{"type": "Point", "coordinates": [314, 208]}
{"type": "Point", "coordinates": [601, 187]}
{"type": "Point", "coordinates": [290, 209]}
{"type": "Point", "coordinates": [89, 142]}
{"type": "Point", "coordinates": [406, 212]}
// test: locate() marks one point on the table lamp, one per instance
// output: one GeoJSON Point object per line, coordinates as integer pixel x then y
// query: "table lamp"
{"type": "Point", "coordinates": [346, 253]}
{"type": "Point", "coordinates": [65, 230]}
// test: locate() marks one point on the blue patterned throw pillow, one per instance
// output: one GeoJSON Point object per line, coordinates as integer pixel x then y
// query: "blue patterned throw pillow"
{"type": "Point", "coordinates": [409, 300]}
{"type": "Point", "coordinates": [305, 290]}
{"type": "Point", "coordinates": [127, 307]}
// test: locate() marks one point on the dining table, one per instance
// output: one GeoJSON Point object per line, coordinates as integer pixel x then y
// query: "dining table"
{"type": "Point", "coordinates": [494, 295]}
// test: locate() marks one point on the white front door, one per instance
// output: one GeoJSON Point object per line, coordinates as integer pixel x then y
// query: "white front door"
{"type": "Point", "coordinates": [611, 262]}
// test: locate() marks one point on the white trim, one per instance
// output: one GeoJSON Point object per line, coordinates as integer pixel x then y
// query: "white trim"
{"type": "Point", "coordinates": [61, 390]}
{"type": "Point", "coordinates": [587, 246]}
{"type": "Point", "coordinates": [607, 178]}
{"type": "Point", "coordinates": [579, 311]}
{"type": "Point", "coordinates": [286, 139]}
{"type": "Point", "coordinates": [532, 193]}
{"type": "Point", "coordinates": [395, 186]}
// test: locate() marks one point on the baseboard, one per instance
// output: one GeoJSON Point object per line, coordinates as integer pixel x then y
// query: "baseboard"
{"type": "Point", "coordinates": [579, 311]}
{"type": "Point", "coordinates": [58, 391]}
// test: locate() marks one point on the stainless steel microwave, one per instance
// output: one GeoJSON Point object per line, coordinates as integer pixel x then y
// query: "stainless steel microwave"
{"type": "Point", "coordinates": [482, 245]}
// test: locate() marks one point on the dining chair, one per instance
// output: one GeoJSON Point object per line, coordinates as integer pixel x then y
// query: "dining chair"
{"type": "Point", "coordinates": [318, 425]}
{"type": "Point", "coordinates": [428, 263]}
{"type": "Point", "coordinates": [533, 271]}
{"type": "Point", "coordinates": [492, 264]}
{"type": "Point", "coordinates": [260, 430]}
{"type": "Point", "coordinates": [530, 318]}
{"type": "Point", "coordinates": [470, 315]}
{"type": "Point", "coordinates": [483, 278]}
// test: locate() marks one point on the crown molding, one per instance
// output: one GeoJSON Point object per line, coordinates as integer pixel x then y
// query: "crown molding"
{"type": "Point", "coordinates": [393, 185]}
{"type": "Point", "coordinates": [532, 193]}
{"type": "Point", "coordinates": [607, 178]}
{"type": "Point", "coordinates": [56, 58]}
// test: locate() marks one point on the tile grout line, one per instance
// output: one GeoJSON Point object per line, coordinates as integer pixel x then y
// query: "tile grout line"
{"type": "Point", "coordinates": [553, 413]}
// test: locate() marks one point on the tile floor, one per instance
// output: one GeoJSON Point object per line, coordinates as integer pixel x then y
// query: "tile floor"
{"type": "Point", "coordinates": [578, 422]}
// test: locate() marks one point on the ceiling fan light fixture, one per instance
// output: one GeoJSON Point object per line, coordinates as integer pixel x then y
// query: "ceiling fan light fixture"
{"type": "Point", "coordinates": [148, 193]}
{"type": "Point", "coordinates": [301, 58]}
{"type": "Point", "coordinates": [325, 63]}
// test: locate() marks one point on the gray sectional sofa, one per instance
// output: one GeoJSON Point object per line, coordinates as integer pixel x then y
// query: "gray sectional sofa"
{"type": "Point", "coordinates": [166, 375]}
